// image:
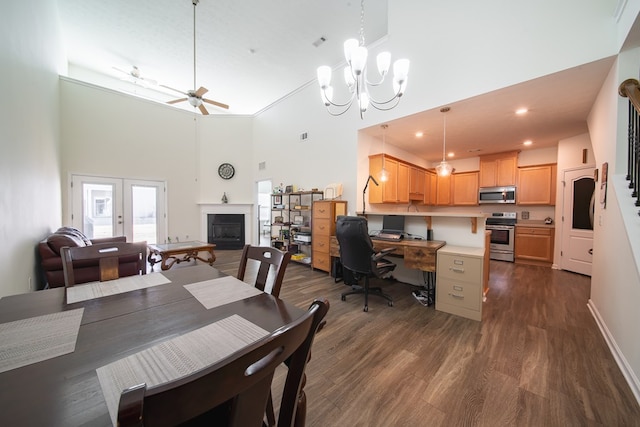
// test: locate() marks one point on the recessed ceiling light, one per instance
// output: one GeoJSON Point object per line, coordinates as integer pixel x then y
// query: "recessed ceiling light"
{"type": "Point", "coordinates": [527, 142]}
{"type": "Point", "coordinates": [419, 134]}
{"type": "Point", "coordinates": [521, 111]}
{"type": "Point", "coordinates": [450, 154]}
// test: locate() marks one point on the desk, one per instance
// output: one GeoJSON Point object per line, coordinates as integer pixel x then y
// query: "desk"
{"type": "Point", "coordinates": [168, 253]}
{"type": "Point", "coordinates": [417, 254]}
{"type": "Point", "coordinates": [65, 391]}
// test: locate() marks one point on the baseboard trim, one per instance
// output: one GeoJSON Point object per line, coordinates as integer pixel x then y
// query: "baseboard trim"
{"type": "Point", "coordinates": [626, 370]}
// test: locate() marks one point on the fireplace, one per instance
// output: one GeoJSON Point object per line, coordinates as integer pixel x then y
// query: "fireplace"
{"type": "Point", "coordinates": [226, 231]}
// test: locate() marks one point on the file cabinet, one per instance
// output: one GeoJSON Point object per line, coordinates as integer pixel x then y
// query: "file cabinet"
{"type": "Point", "coordinates": [325, 214]}
{"type": "Point", "coordinates": [459, 281]}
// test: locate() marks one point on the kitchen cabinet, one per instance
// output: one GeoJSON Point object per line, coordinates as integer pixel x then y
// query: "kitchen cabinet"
{"type": "Point", "coordinates": [534, 244]}
{"type": "Point", "coordinates": [498, 170]}
{"type": "Point", "coordinates": [396, 188]}
{"type": "Point", "coordinates": [460, 286]}
{"type": "Point", "coordinates": [536, 185]}
{"type": "Point", "coordinates": [443, 190]}
{"type": "Point", "coordinates": [416, 183]}
{"type": "Point", "coordinates": [325, 215]}
{"type": "Point", "coordinates": [430, 187]}
{"type": "Point", "coordinates": [464, 187]}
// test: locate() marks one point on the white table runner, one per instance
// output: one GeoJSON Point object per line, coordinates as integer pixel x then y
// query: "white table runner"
{"type": "Point", "coordinates": [220, 291]}
{"type": "Point", "coordinates": [93, 290]}
{"type": "Point", "coordinates": [33, 340]}
{"type": "Point", "coordinates": [176, 357]}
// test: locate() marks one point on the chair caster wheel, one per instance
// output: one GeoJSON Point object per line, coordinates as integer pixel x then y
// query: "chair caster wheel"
{"type": "Point", "coordinates": [390, 303]}
{"type": "Point", "coordinates": [343, 298]}
{"type": "Point", "coordinates": [366, 308]}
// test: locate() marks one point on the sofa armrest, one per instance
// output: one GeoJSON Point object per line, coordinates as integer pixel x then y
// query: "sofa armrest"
{"type": "Point", "coordinates": [109, 240]}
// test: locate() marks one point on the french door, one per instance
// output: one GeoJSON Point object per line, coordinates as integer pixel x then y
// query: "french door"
{"type": "Point", "coordinates": [107, 207]}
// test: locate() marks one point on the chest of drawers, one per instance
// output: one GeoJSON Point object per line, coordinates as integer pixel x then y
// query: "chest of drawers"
{"type": "Point", "coordinates": [324, 215]}
{"type": "Point", "coordinates": [459, 283]}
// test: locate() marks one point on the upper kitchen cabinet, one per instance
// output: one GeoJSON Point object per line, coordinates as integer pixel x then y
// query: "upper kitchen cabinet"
{"type": "Point", "coordinates": [443, 190]}
{"type": "Point", "coordinates": [464, 188]}
{"type": "Point", "coordinates": [416, 183]}
{"type": "Point", "coordinates": [396, 188]}
{"type": "Point", "coordinates": [536, 185]}
{"type": "Point", "coordinates": [498, 169]}
{"type": "Point", "coordinates": [430, 187]}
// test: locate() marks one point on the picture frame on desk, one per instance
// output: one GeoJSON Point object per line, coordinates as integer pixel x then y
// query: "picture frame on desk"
{"type": "Point", "coordinates": [288, 189]}
{"type": "Point", "coordinates": [277, 200]}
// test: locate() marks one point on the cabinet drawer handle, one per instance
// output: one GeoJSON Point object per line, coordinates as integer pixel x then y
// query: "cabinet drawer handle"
{"type": "Point", "coordinates": [456, 270]}
{"type": "Point", "coordinates": [458, 296]}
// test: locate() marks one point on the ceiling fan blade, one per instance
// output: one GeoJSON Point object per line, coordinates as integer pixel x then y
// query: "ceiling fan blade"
{"type": "Point", "coordinates": [175, 101]}
{"type": "Point", "coordinates": [216, 103]}
{"type": "Point", "coordinates": [203, 110]}
{"type": "Point", "coordinates": [175, 90]}
{"type": "Point", "coordinates": [201, 91]}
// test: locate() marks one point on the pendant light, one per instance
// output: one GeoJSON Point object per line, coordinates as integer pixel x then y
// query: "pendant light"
{"type": "Point", "coordinates": [444, 168]}
{"type": "Point", "coordinates": [384, 175]}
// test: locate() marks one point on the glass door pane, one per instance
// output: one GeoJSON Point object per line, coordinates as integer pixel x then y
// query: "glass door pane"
{"type": "Point", "coordinates": [97, 206]}
{"type": "Point", "coordinates": [144, 208]}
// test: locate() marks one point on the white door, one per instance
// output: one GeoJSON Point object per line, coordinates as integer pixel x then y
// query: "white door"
{"type": "Point", "coordinates": [577, 217]}
{"type": "Point", "coordinates": [107, 207]}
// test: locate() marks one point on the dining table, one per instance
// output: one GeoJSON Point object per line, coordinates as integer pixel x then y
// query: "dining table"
{"type": "Point", "coordinates": [114, 325]}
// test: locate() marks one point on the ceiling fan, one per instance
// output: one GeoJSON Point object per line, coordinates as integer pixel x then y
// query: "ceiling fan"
{"type": "Point", "coordinates": [194, 97]}
{"type": "Point", "coordinates": [135, 77]}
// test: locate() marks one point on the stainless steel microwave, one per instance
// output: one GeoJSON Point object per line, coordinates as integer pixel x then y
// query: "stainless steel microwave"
{"type": "Point", "coordinates": [497, 195]}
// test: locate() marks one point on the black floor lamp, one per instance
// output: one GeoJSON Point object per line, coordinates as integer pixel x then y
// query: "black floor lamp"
{"type": "Point", "coordinates": [365, 190]}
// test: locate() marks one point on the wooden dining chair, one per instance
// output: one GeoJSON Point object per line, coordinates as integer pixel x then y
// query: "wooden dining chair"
{"type": "Point", "coordinates": [108, 256]}
{"type": "Point", "coordinates": [272, 263]}
{"type": "Point", "coordinates": [233, 391]}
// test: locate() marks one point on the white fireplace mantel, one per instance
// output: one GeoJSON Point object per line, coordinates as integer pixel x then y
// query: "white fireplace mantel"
{"type": "Point", "coordinates": [245, 209]}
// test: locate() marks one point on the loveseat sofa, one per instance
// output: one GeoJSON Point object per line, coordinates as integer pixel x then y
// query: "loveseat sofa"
{"type": "Point", "coordinates": [85, 271]}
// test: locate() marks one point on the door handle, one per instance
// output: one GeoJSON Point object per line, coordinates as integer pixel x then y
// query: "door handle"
{"type": "Point", "coordinates": [591, 251]}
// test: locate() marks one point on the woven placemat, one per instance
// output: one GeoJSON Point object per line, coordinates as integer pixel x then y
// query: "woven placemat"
{"type": "Point", "coordinates": [112, 287]}
{"type": "Point", "coordinates": [176, 357]}
{"type": "Point", "coordinates": [33, 340]}
{"type": "Point", "coordinates": [220, 291]}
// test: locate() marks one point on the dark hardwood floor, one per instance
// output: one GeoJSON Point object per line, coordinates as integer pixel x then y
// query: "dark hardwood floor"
{"type": "Point", "coordinates": [536, 359]}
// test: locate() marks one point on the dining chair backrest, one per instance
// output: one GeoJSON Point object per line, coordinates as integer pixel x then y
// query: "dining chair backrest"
{"type": "Point", "coordinates": [233, 391]}
{"type": "Point", "coordinates": [272, 264]}
{"type": "Point", "coordinates": [109, 256]}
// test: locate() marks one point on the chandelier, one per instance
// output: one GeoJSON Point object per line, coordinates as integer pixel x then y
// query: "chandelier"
{"type": "Point", "coordinates": [444, 168]}
{"type": "Point", "coordinates": [355, 76]}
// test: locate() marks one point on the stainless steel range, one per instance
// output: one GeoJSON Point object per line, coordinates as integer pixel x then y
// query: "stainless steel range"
{"type": "Point", "coordinates": [502, 226]}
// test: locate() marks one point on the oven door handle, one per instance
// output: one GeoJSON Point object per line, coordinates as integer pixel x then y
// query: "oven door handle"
{"type": "Point", "coordinates": [500, 227]}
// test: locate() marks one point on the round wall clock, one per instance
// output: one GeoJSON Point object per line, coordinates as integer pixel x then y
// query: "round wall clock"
{"type": "Point", "coordinates": [226, 171]}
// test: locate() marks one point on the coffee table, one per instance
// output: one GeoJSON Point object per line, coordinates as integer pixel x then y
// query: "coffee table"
{"type": "Point", "coordinates": [171, 253]}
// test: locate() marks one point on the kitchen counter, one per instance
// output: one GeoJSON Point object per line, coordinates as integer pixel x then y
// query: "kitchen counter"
{"type": "Point", "coordinates": [534, 223]}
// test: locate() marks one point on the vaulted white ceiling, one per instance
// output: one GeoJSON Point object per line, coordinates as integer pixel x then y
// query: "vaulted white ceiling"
{"type": "Point", "coordinates": [251, 53]}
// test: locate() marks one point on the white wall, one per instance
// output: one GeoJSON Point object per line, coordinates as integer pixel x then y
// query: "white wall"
{"type": "Point", "coordinates": [615, 283]}
{"type": "Point", "coordinates": [29, 159]}
{"type": "Point", "coordinates": [106, 133]}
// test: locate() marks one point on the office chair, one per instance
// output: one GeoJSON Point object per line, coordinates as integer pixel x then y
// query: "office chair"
{"type": "Point", "coordinates": [108, 256]}
{"type": "Point", "coordinates": [358, 256]}
{"type": "Point", "coordinates": [232, 392]}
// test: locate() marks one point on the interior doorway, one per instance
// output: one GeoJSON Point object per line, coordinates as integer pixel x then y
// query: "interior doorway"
{"type": "Point", "coordinates": [108, 207]}
{"type": "Point", "coordinates": [577, 226]}
{"type": "Point", "coordinates": [264, 212]}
